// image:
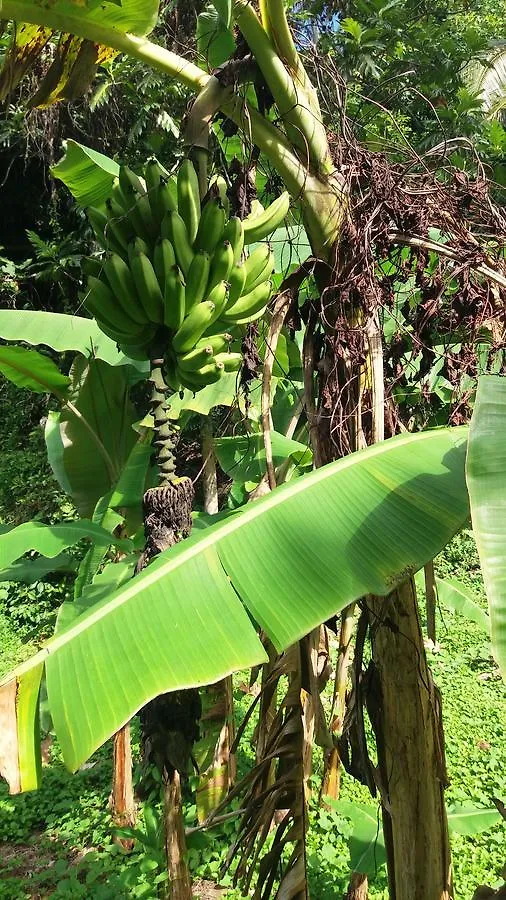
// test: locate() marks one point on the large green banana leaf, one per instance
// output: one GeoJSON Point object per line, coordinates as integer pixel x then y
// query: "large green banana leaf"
{"type": "Point", "coordinates": [62, 332]}
{"type": "Point", "coordinates": [486, 481]}
{"type": "Point", "coordinates": [286, 562]}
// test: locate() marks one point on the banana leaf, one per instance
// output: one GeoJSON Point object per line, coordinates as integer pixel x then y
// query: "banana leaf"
{"type": "Point", "coordinates": [30, 369]}
{"type": "Point", "coordinates": [284, 563]}
{"type": "Point", "coordinates": [62, 332]}
{"type": "Point", "coordinates": [486, 482]}
{"type": "Point", "coordinates": [87, 174]}
{"type": "Point", "coordinates": [74, 60]}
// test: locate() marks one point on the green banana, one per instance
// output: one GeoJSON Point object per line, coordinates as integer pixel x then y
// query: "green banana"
{"type": "Point", "coordinates": [148, 289]}
{"type": "Point", "coordinates": [129, 181]}
{"type": "Point", "coordinates": [92, 265]}
{"type": "Point", "coordinates": [221, 264]}
{"type": "Point", "coordinates": [248, 304]}
{"type": "Point", "coordinates": [194, 359]}
{"type": "Point", "coordinates": [258, 227]}
{"type": "Point", "coordinates": [131, 342]}
{"type": "Point", "coordinates": [120, 279]}
{"type": "Point", "coordinates": [197, 279]}
{"type": "Point", "coordinates": [231, 361]}
{"type": "Point", "coordinates": [211, 225]}
{"type": "Point", "coordinates": [118, 225]}
{"type": "Point", "coordinates": [258, 267]}
{"type": "Point", "coordinates": [234, 232]}
{"type": "Point", "coordinates": [163, 260]}
{"type": "Point", "coordinates": [236, 280]}
{"type": "Point", "coordinates": [102, 304]}
{"type": "Point", "coordinates": [167, 196]}
{"type": "Point", "coordinates": [174, 229]}
{"type": "Point", "coordinates": [194, 326]}
{"type": "Point", "coordinates": [137, 246]}
{"type": "Point", "coordinates": [217, 342]}
{"type": "Point", "coordinates": [219, 297]}
{"type": "Point", "coordinates": [219, 185]}
{"type": "Point", "coordinates": [207, 374]}
{"type": "Point", "coordinates": [154, 173]}
{"type": "Point", "coordinates": [100, 226]}
{"type": "Point", "coordinates": [251, 317]}
{"type": "Point", "coordinates": [171, 375]}
{"type": "Point", "coordinates": [188, 198]}
{"type": "Point", "coordinates": [137, 202]}
{"type": "Point", "coordinates": [138, 214]}
{"type": "Point", "coordinates": [256, 209]}
{"type": "Point", "coordinates": [174, 299]}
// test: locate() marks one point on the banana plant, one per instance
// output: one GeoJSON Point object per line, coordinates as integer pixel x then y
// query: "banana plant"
{"type": "Point", "coordinates": [294, 142]}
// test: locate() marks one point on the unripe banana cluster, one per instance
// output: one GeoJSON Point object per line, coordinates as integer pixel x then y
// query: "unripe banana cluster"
{"type": "Point", "coordinates": [173, 265]}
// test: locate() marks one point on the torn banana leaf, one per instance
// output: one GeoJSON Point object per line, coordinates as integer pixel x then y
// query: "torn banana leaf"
{"type": "Point", "coordinates": [285, 564]}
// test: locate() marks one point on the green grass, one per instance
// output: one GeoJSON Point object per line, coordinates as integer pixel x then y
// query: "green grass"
{"type": "Point", "coordinates": [57, 842]}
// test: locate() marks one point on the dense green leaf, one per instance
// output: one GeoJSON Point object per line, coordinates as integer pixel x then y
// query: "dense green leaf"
{"type": "Point", "coordinates": [89, 175]}
{"type": "Point", "coordinates": [486, 481]}
{"type": "Point", "coordinates": [32, 570]}
{"type": "Point", "coordinates": [294, 558]}
{"type": "Point", "coordinates": [62, 333]}
{"type": "Point", "coordinates": [459, 598]}
{"type": "Point", "coordinates": [215, 41]}
{"type": "Point", "coordinates": [129, 489]}
{"type": "Point", "coordinates": [29, 369]}
{"type": "Point", "coordinates": [50, 540]}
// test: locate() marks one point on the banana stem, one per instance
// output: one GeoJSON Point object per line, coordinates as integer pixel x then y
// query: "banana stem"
{"type": "Point", "coordinates": [305, 127]}
{"type": "Point", "coordinates": [275, 23]}
{"type": "Point", "coordinates": [164, 437]}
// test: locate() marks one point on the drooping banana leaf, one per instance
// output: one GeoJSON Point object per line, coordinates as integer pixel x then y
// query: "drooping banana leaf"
{"type": "Point", "coordinates": [30, 369]}
{"type": "Point", "coordinates": [51, 540]}
{"type": "Point", "coordinates": [457, 597]}
{"type": "Point", "coordinates": [87, 174]}
{"type": "Point", "coordinates": [88, 454]}
{"type": "Point", "coordinates": [31, 570]}
{"type": "Point", "coordinates": [486, 482]}
{"type": "Point", "coordinates": [62, 332]}
{"type": "Point", "coordinates": [74, 60]}
{"type": "Point", "coordinates": [286, 562]}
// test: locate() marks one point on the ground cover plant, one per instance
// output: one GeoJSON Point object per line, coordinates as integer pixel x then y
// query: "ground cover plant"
{"type": "Point", "coordinates": [201, 356]}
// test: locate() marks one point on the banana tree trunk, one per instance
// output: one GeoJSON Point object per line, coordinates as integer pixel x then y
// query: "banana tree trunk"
{"type": "Point", "coordinates": [121, 801]}
{"type": "Point", "coordinates": [406, 715]}
{"type": "Point", "coordinates": [217, 765]}
{"type": "Point", "coordinates": [404, 707]}
{"type": "Point", "coordinates": [332, 774]}
{"type": "Point", "coordinates": [358, 887]}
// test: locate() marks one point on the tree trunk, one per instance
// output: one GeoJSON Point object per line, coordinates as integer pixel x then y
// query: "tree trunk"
{"type": "Point", "coordinates": [217, 765]}
{"type": "Point", "coordinates": [358, 887]}
{"type": "Point", "coordinates": [179, 885]}
{"type": "Point", "coordinates": [332, 773]}
{"type": "Point", "coordinates": [121, 801]}
{"type": "Point", "coordinates": [404, 707]}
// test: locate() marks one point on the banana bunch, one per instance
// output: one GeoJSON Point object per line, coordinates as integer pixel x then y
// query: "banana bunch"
{"type": "Point", "coordinates": [176, 272]}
